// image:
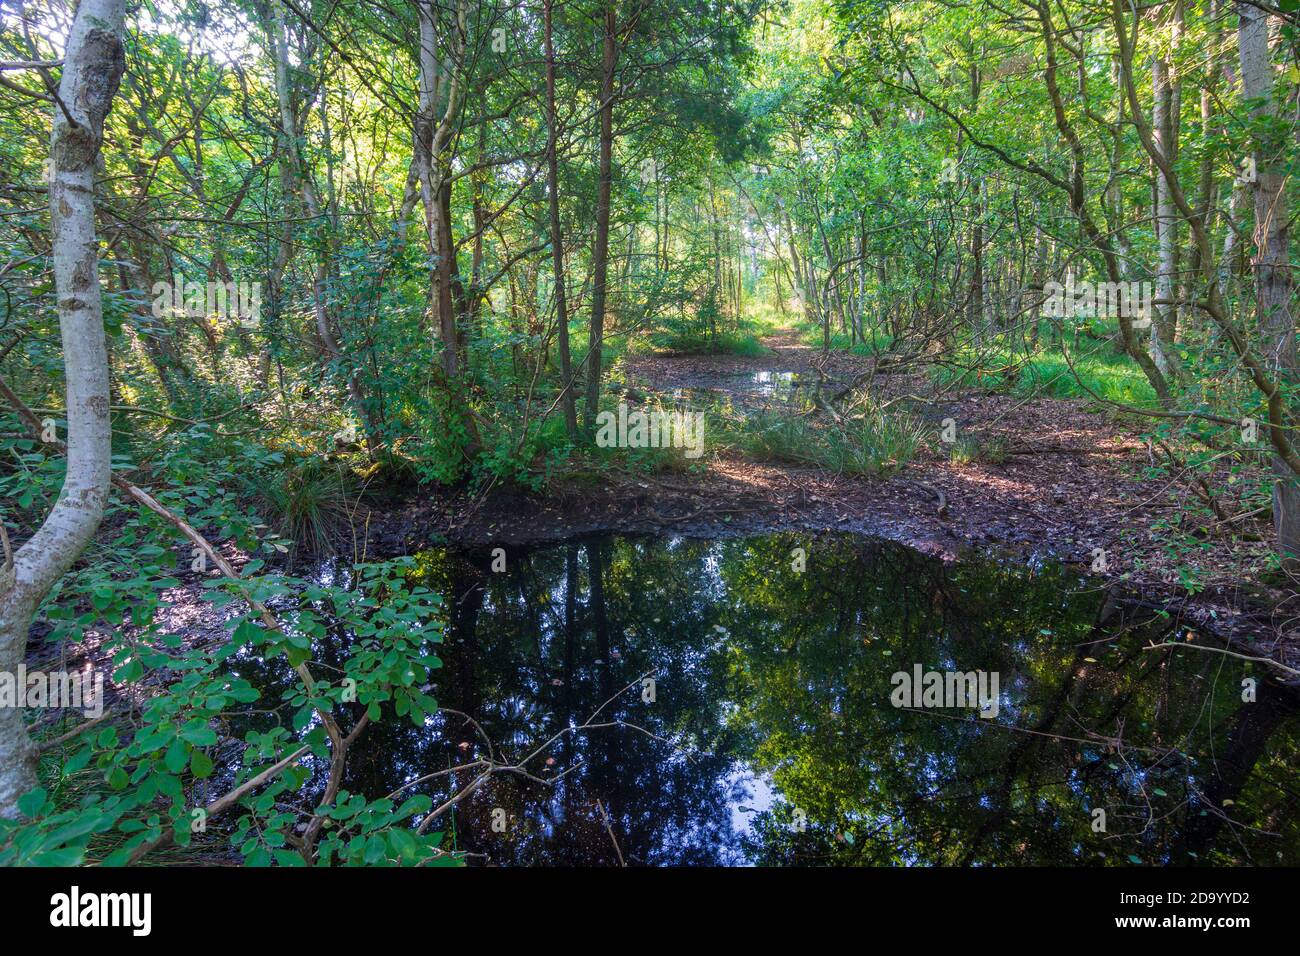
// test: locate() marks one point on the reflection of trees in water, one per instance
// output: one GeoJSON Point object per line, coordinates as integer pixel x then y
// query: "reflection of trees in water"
{"type": "Point", "coordinates": [882, 786]}
{"type": "Point", "coordinates": [788, 674]}
{"type": "Point", "coordinates": [553, 649]}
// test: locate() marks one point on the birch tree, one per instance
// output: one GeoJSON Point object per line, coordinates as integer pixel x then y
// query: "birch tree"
{"type": "Point", "coordinates": [92, 69]}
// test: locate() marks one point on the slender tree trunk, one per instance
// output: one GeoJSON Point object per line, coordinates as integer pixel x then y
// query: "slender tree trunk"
{"type": "Point", "coordinates": [600, 251]}
{"type": "Point", "coordinates": [1077, 191]}
{"type": "Point", "coordinates": [1271, 261]}
{"type": "Point", "coordinates": [1164, 126]}
{"type": "Point", "coordinates": [802, 292]}
{"type": "Point", "coordinates": [1207, 189]}
{"type": "Point", "coordinates": [448, 282]}
{"type": "Point", "coordinates": [311, 205]}
{"type": "Point", "coordinates": [557, 236]}
{"type": "Point", "coordinates": [433, 137]}
{"type": "Point", "coordinates": [977, 234]}
{"type": "Point", "coordinates": [718, 296]}
{"type": "Point", "coordinates": [92, 69]}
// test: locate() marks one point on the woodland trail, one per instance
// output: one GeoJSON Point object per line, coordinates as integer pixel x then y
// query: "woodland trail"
{"type": "Point", "coordinates": [1072, 484]}
{"type": "Point", "coordinates": [1069, 484]}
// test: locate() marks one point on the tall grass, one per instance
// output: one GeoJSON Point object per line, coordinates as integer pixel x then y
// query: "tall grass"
{"type": "Point", "coordinates": [874, 442]}
{"type": "Point", "coordinates": [876, 342]}
{"type": "Point", "coordinates": [1097, 373]}
{"type": "Point", "coordinates": [306, 502]}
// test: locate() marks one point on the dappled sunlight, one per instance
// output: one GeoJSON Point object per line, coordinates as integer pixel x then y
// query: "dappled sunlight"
{"type": "Point", "coordinates": [816, 433]}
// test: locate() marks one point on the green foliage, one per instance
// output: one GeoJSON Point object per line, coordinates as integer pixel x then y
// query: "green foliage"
{"type": "Point", "coordinates": [864, 166]}
{"type": "Point", "coordinates": [307, 502]}
{"type": "Point", "coordinates": [1095, 373]}
{"type": "Point", "coordinates": [873, 342]}
{"type": "Point", "coordinates": [708, 329]}
{"type": "Point", "coordinates": [123, 784]}
{"type": "Point", "coordinates": [873, 442]}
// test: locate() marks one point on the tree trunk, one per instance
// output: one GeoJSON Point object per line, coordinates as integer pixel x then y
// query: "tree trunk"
{"type": "Point", "coordinates": [433, 134]}
{"type": "Point", "coordinates": [92, 69]}
{"type": "Point", "coordinates": [600, 252]}
{"type": "Point", "coordinates": [1206, 188]}
{"type": "Point", "coordinates": [311, 205]}
{"type": "Point", "coordinates": [1271, 261]}
{"type": "Point", "coordinates": [557, 237]}
{"type": "Point", "coordinates": [1164, 126]}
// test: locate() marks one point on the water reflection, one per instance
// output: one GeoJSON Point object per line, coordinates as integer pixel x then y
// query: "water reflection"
{"type": "Point", "coordinates": [776, 385]}
{"type": "Point", "coordinates": [771, 738]}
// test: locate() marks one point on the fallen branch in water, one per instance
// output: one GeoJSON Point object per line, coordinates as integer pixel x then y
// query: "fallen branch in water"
{"type": "Point", "coordinates": [221, 804]}
{"type": "Point", "coordinates": [492, 766]}
{"type": "Point", "coordinates": [610, 830]}
{"type": "Point", "coordinates": [1220, 650]}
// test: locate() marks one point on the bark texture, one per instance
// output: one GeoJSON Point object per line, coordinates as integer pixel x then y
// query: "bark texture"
{"type": "Point", "coordinates": [1271, 261]}
{"type": "Point", "coordinates": [93, 67]}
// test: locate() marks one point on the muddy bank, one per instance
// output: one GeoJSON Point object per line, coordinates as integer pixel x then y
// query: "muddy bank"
{"type": "Point", "coordinates": [739, 498]}
{"type": "Point", "coordinates": [1069, 485]}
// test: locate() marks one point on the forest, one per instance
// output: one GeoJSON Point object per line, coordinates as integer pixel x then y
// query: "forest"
{"type": "Point", "coordinates": [547, 432]}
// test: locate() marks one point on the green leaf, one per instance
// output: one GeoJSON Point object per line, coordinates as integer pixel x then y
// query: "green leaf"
{"type": "Point", "coordinates": [133, 670]}
{"type": "Point", "coordinates": [199, 733]}
{"type": "Point", "coordinates": [376, 850]}
{"type": "Point", "coordinates": [200, 764]}
{"type": "Point", "coordinates": [176, 756]}
{"type": "Point", "coordinates": [32, 802]}
{"type": "Point", "coordinates": [64, 856]}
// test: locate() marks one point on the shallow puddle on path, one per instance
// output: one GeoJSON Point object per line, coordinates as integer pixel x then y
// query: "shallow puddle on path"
{"type": "Point", "coordinates": [779, 385]}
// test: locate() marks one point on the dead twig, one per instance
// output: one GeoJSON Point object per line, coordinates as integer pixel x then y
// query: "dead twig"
{"type": "Point", "coordinates": [610, 830]}
{"type": "Point", "coordinates": [1219, 650]}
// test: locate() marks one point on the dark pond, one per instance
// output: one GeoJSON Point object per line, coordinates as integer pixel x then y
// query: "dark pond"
{"type": "Point", "coordinates": [771, 737]}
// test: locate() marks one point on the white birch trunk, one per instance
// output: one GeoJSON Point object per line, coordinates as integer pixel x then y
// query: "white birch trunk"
{"type": "Point", "coordinates": [93, 66]}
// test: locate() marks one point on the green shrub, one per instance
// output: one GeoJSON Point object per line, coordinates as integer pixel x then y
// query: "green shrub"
{"type": "Point", "coordinates": [306, 502]}
{"type": "Point", "coordinates": [872, 443]}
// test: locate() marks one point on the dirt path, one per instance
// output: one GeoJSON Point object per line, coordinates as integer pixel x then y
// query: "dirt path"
{"type": "Point", "coordinates": [748, 381]}
{"type": "Point", "coordinates": [1070, 487]}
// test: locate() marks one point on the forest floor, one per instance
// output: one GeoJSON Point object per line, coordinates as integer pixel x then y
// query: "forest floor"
{"type": "Point", "coordinates": [1069, 481]}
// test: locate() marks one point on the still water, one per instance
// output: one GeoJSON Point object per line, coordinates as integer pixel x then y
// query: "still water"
{"type": "Point", "coordinates": [769, 735]}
